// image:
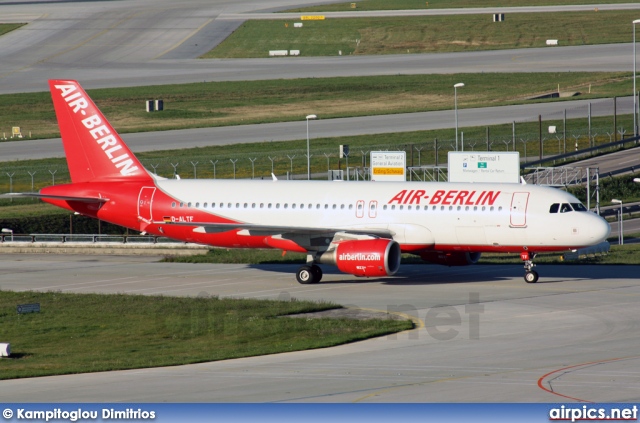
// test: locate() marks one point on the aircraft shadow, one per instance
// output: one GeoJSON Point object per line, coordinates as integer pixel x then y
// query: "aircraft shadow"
{"type": "Point", "coordinates": [429, 274]}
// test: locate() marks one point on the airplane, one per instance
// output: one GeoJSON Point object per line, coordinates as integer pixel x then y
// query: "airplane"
{"type": "Point", "coordinates": [363, 228]}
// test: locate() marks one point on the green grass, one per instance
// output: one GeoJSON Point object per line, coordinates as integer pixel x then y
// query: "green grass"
{"type": "Point", "coordinates": [235, 103]}
{"type": "Point", "coordinates": [6, 28]}
{"type": "Point", "coordinates": [209, 104]}
{"type": "Point", "coordinates": [80, 333]}
{"type": "Point", "coordinates": [364, 5]}
{"type": "Point", "coordinates": [423, 34]}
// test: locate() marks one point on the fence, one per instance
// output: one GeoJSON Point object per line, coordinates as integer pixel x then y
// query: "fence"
{"type": "Point", "coordinates": [592, 125]}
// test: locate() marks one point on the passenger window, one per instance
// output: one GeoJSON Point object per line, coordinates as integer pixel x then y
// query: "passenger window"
{"type": "Point", "coordinates": [189, 204]}
{"type": "Point", "coordinates": [197, 205]}
{"type": "Point", "coordinates": [173, 205]}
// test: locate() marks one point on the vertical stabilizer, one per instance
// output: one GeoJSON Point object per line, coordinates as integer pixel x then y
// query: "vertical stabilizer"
{"type": "Point", "coordinates": [93, 148]}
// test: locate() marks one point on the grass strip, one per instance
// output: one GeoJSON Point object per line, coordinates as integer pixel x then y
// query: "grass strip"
{"type": "Point", "coordinates": [80, 333]}
{"type": "Point", "coordinates": [423, 34]}
{"type": "Point", "coordinates": [365, 5]}
{"type": "Point", "coordinates": [207, 104]}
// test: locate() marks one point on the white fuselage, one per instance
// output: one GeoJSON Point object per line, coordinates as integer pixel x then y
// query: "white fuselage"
{"type": "Point", "coordinates": [449, 216]}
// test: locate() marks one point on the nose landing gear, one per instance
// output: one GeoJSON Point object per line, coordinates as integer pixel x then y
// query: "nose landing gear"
{"type": "Point", "coordinates": [530, 275]}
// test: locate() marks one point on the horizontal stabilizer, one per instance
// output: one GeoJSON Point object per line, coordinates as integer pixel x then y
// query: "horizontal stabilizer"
{"type": "Point", "coordinates": [54, 197]}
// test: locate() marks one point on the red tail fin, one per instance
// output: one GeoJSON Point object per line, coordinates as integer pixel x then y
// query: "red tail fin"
{"type": "Point", "coordinates": [93, 148]}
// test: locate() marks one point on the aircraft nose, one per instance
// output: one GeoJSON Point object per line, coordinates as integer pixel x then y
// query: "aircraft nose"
{"type": "Point", "coordinates": [599, 228]}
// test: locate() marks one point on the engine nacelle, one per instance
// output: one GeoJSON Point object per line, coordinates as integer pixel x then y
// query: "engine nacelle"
{"type": "Point", "coordinates": [366, 257]}
{"type": "Point", "coordinates": [449, 258]}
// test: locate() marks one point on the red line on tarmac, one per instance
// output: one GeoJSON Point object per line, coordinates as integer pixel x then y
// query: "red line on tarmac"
{"type": "Point", "coordinates": [541, 380]}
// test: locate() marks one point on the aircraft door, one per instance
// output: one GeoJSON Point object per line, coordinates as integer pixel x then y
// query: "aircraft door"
{"type": "Point", "coordinates": [145, 202]}
{"type": "Point", "coordinates": [519, 203]}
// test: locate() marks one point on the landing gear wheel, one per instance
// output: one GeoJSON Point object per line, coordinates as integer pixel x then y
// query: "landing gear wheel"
{"type": "Point", "coordinates": [306, 275]}
{"type": "Point", "coordinates": [531, 276]}
{"type": "Point", "coordinates": [317, 273]}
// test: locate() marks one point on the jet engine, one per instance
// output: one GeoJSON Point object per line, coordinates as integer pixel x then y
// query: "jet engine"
{"type": "Point", "coordinates": [450, 258]}
{"type": "Point", "coordinates": [365, 257]}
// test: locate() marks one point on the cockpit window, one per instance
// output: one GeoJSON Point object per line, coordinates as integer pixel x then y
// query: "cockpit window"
{"type": "Point", "coordinates": [565, 208]}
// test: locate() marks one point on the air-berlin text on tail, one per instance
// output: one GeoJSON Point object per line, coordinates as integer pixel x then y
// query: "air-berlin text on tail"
{"type": "Point", "coordinates": [100, 132]}
{"type": "Point", "coordinates": [446, 197]}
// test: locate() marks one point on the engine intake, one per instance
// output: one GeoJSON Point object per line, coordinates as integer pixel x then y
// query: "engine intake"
{"type": "Point", "coordinates": [367, 257]}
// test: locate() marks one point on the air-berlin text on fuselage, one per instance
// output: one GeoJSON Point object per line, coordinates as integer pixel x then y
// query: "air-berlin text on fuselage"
{"type": "Point", "coordinates": [100, 132]}
{"type": "Point", "coordinates": [446, 197]}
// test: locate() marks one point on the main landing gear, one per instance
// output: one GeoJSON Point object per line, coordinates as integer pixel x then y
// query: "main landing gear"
{"type": "Point", "coordinates": [530, 275]}
{"type": "Point", "coordinates": [309, 274]}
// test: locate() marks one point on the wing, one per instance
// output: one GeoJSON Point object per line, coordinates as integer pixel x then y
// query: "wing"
{"type": "Point", "coordinates": [285, 231]}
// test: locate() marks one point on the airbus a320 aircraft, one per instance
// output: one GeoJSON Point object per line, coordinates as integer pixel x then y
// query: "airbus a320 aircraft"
{"type": "Point", "coordinates": [361, 227]}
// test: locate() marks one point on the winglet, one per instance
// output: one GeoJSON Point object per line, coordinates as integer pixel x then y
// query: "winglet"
{"type": "Point", "coordinates": [93, 148]}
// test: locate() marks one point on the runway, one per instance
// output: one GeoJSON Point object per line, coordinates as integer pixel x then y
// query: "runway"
{"type": "Point", "coordinates": [485, 336]}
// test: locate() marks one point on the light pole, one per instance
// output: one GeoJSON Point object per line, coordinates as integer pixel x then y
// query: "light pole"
{"type": "Point", "coordinates": [620, 224]}
{"type": "Point", "coordinates": [7, 231]}
{"type": "Point", "coordinates": [308, 156]}
{"type": "Point", "coordinates": [455, 106]}
{"type": "Point", "coordinates": [635, 105]}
